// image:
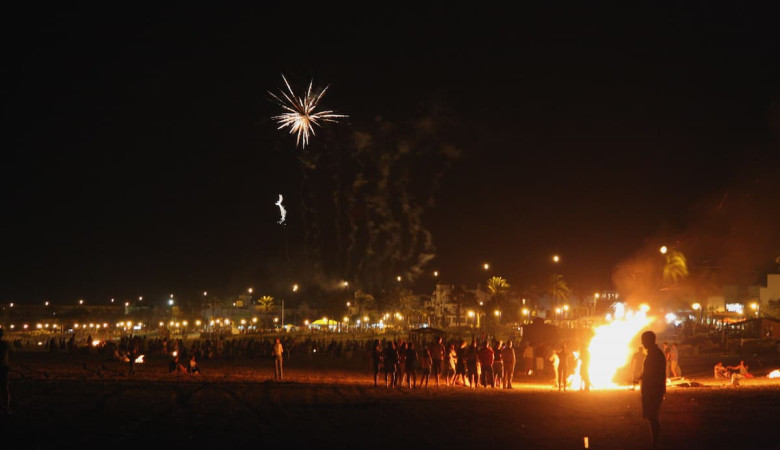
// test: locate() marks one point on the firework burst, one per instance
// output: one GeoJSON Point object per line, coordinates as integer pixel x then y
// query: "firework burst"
{"type": "Point", "coordinates": [299, 112]}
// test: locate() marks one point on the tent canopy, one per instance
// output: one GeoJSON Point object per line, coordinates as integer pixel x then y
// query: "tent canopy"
{"type": "Point", "coordinates": [322, 322]}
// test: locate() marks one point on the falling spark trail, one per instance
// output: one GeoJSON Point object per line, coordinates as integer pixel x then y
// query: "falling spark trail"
{"type": "Point", "coordinates": [282, 211]}
{"type": "Point", "coordinates": [300, 115]}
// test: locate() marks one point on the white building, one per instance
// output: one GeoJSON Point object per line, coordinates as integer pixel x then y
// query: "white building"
{"type": "Point", "coordinates": [772, 289]}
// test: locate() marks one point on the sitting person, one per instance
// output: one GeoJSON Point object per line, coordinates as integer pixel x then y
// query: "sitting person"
{"type": "Point", "coordinates": [175, 365]}
{"type": "Point", "coordinates": [737, 372]}
{"type": "Point", "coordinates": [720, 371]}
{"type": "Point", "coordinates": [194, 365]}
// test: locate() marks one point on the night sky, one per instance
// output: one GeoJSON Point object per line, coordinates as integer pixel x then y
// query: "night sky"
{"type": "Point", "coordinates": [141, 158]}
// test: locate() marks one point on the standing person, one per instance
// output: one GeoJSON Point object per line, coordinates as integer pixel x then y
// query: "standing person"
{"type": "Point", "coordinates": [390, 363]}
{"type": "Point", "coordinates": [437, 356]}
{"type": "Point", "coordinates": [410, 366]}
{"type": "Point", "coordinates": [472, 364]}
{"type": "Point", "coordinates": [563, 367]}
{"type": "Point", "coordinates": [539, 353]}
{"type": "Point", "coordinates": [508, 355]}
{"type": "Point", "coordinates": [425, 364]}
{"type": "Point", "coordinates": [585, 367]}
{"type": "Point", "coordinates": [376, 361]}
{"type": "Point", "coordinates": [637, 365]}
{"type": "Point", "coordinates": [460, 364]}
{"type": "Point", "coordinates": [5, 367]}
{"type": "Point", "coordinates": [667, 351]}
{"type": "Point", "coordinates": [401, 368]}
{"type": "Point", "coordinates": [498, 365]}
{"type": "Point", "coordinates": [674, 361]}
{"type": "Point", "coordinates": [452, 362]}
{"type": "Point", "coordinates": [528, 359]}
{"type": "Point", "coordinates": [653, 384]}
{"type": "Point", "coordinates": [278, 353]}
{"type": "Point", "coordinates": [555, 359]}
{"type": "Point", "coordinates": [486, 356]}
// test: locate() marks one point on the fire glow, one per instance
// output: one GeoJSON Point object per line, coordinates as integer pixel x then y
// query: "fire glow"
{"type": "Point", "coordinates": [611, 347]}
{"type": "Point", "coordinates": [774, 374]}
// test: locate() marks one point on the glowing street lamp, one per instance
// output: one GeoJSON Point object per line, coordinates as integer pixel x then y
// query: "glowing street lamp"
{"type": "Point", "coordinates": [755, 307]}
{"type": "Point", "coordinates": [473, 314]}
{"type": "Point", "coordinates": [486, 266]}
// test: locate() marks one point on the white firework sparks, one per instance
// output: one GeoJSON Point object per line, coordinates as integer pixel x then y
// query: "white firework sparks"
{"type": "Point", "coordinates": [282, 211]}
{"type": "Point", "coordinates": [300, 113]}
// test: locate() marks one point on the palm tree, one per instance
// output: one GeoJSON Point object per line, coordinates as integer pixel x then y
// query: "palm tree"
{"type": "Point", "coordinates": [560, 289]}
{"type": "Point", "coordinates": [676, 267]}
{"type": "Point", "coordinates": [497, 286]}
{"type": "Point", "coordinates": [266, 304]}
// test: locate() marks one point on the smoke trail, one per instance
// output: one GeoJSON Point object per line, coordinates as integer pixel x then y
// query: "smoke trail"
{"type": "Point", "coordinates": [364, 203]}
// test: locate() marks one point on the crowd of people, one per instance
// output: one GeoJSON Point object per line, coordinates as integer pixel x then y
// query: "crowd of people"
{"type": "Point", "coordinates": [485, 361]}
{"type": "Point", "coordinates": [488, 363]}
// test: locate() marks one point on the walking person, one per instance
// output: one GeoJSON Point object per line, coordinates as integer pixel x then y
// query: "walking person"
{"type": "Point", "coordinates": [508, 356]}
{"type": "Point", "coordinates": [653, 384]}
{"type": "Point", "coordinates": [5, 367]}
{"type": "Point", "coordinates": [278, 354]}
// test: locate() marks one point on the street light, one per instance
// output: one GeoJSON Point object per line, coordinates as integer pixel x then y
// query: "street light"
{"type": "Point", "coordinates": [555, 260]}
{"type": "Point", "coordinates": [663, 250]}
{"type": "Point", "coordinates": [755, 307]}
{"type": "Point", "coordinates": [486, 266]}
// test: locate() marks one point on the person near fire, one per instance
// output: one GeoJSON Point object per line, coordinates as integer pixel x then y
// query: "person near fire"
{"type": "Point", "coordinates": [653, 384]}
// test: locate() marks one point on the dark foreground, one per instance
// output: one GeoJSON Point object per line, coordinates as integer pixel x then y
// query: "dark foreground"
{"type": "Point", "coordinates": [63, 402]}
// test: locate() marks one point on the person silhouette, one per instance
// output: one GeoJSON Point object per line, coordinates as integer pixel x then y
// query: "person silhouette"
{"type": "Point", "coordinates": [5, 367]}
{"type": "Point", "coordinates": [653, 384]}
